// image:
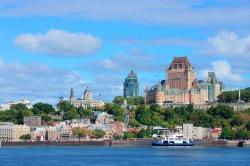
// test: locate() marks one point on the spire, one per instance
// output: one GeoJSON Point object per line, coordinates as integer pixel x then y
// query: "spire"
{"type": "Point", "coordinates": [239, 100]}
{"type": "Point", "coordinates": [100, 97]}
{"type": "Point", "coordinates": [71, 96]}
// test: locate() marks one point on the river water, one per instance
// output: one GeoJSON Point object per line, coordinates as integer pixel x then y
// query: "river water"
{"type": "Point", "coordinates": [123, 156]}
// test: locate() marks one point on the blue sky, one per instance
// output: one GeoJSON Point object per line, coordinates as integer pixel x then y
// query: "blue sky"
{"type": "Point", "coordinates": [49, 46]}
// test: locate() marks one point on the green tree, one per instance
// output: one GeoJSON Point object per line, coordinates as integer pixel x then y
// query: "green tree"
{"type": "Point", "coordinates": [71, 114]}
{"type": "Point", "coordinates": [19, 107]}
{"type": "Point", "coordinates": [232, 96]}
{"type": "Point", "coordinates": [222, 110]}
{"type": "Point", "coordinates": [119, 100]}
{"type": "Point", "coordinates": [227, 133]}
{"type": "Point", "coordinates": [65, 106]}
{"type": "Point", "coordinates": [98, 133]}
{"type": "Point", "coordinates": [80, 132]}
{"type": "Point", "coordinates": [25, 137]}
{"type": "Point", "coordinates": [116, 110]}
{"type": "Point", "coordinates": [236, 121]}
{"type": "Point", "coordinates": [135, 100]}
{"type": "Point", "coordinates": [43, 108]}
{"type": "Point", "coordinates": [20, 110]}
{"type": "Point", "coordinates": [241, 133]}
{"type": "Point", "coordinates": [119, 115]}
{"type": "Point", "coordinates": [143, 115]}
{"type": "Point", "coordinates": [46, 118]}
{"type": "Point", "coordinates": [134, 123]}
{"type": "Point", "coordinates": [155, 108]}
{"type": "Point", "coordinates": [128, 135]}
{"type": "Point", "coordinates": [85, 113]}
{"type": "Point", "coordinates": [144, 133]}
{"type": "Point", "coordinates": [248, 125]}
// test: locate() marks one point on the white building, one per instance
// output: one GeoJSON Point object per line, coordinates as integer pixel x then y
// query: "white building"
{"type": "Point", "coordinates": [38, 134]}
{"type": "Point", "coordinates": [187, 130]}
{"type": "Point", "coordinates": [193, 132]}
{"type": "Point", "coordinates": [86, 101]}
{"type": "Point", "coordinates": [11, 132]}
{"type": "Point", "coordinates": [7, 106]}
{"type": "Point", "coordinates": [52, 133]}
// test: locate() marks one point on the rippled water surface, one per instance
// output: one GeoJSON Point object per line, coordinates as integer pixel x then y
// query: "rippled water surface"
{"type": "Point", "coordinates": [100, 155]}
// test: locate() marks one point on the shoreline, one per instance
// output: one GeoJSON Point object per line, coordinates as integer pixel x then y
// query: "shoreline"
{"type": "Point", "coordinates": [130, 142]}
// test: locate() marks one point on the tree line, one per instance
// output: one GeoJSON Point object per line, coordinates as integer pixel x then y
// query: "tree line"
{"type": "Point", "coordinates": [233, 96]}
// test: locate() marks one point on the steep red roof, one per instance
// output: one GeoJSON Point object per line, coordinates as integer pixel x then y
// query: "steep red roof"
{"type": "Point", "coordinates": [181, 60]}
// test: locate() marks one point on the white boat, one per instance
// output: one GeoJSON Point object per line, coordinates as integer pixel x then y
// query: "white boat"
{"type": "Point", "coordinates": [173, 140]}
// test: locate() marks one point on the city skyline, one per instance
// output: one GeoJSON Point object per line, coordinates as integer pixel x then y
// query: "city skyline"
{"type": "Point", "coordinates": [44, 52]}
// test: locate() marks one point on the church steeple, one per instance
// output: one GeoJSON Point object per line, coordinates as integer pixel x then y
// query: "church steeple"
{"type": "Point", "coordinates": [71, 96]}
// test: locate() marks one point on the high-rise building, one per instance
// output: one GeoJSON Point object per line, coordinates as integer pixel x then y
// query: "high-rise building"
{"type": "Point", "coordinates": [131, 85]}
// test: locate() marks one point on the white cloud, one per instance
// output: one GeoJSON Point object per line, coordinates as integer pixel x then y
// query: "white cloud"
{"type": "Point", "coordinates": [134, 58]}
{"type": "Point", "coordinates": [1, 62]}
{"type": "Point", "coordinates": [59, 42]}
{"type": "Point", "coordinates": [37, 82]}
{"type": "Point", "coordinates": [224, 72]}
{"type": "Point", "coordinates": [176, 12]}
{"type": "Point", "coordinates": [229, 44]}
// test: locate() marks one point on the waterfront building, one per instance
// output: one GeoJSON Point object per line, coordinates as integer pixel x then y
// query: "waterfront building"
{"type": "Point", "coordinates": [118, 128]}
{"type": "Point", "coordinates": [11, 132]}
{"type": "Point", "coordinates": [52, 134]}
{"type": "Point", "coordinates": [66, 132]}
{"type": "Point", "coordinates": [181, 86]}
{"type": "Point", "coordinates": [87, 101]}
{"type": "Point", "coordinates": [32, 121]}
{"type": "Point", "coordinates": [131, 85]}
{"type": "Point", "coordinates": [198, 133]}
{"type": "Point", "coordinates": [38, 134]}
{"type": "Point", "coordinates": [7, 106]}
{"type": "Point", "coordinates": [215, 133]}
{"type": "Point", "coordinates": [187, 130]}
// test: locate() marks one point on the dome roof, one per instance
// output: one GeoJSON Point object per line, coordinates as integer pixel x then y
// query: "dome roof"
{"type": "Point", "coordinates": [87, 90]}
{"type": "Point", "coordinates": [132, 74]}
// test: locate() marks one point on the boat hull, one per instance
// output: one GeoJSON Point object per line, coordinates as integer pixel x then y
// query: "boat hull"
{"type": "Point", "coordinates": [172, 144]}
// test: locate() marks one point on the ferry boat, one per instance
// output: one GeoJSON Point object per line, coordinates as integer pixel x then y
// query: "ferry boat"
{"type": "Point", "coordinates": [173, 140]}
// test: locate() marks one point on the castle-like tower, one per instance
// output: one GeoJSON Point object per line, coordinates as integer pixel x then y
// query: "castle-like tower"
{"type": "Point", "coordinates": [180, 74]}
{"type": "Point", "coordinates": [181, 86]}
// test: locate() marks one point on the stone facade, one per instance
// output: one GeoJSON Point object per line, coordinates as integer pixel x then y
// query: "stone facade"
{"type": "Point", "coordinates": [11, 132]}
{"type": "Point", "coordinates": [32, 121]}
{"type": "Point", "coordinates": [86, 101]}
{"type": "Point", "coordinates": [181, 86]}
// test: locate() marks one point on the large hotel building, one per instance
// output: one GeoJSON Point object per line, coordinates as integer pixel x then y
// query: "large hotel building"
{"type": "Point", "coordinates": [182, 87]}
